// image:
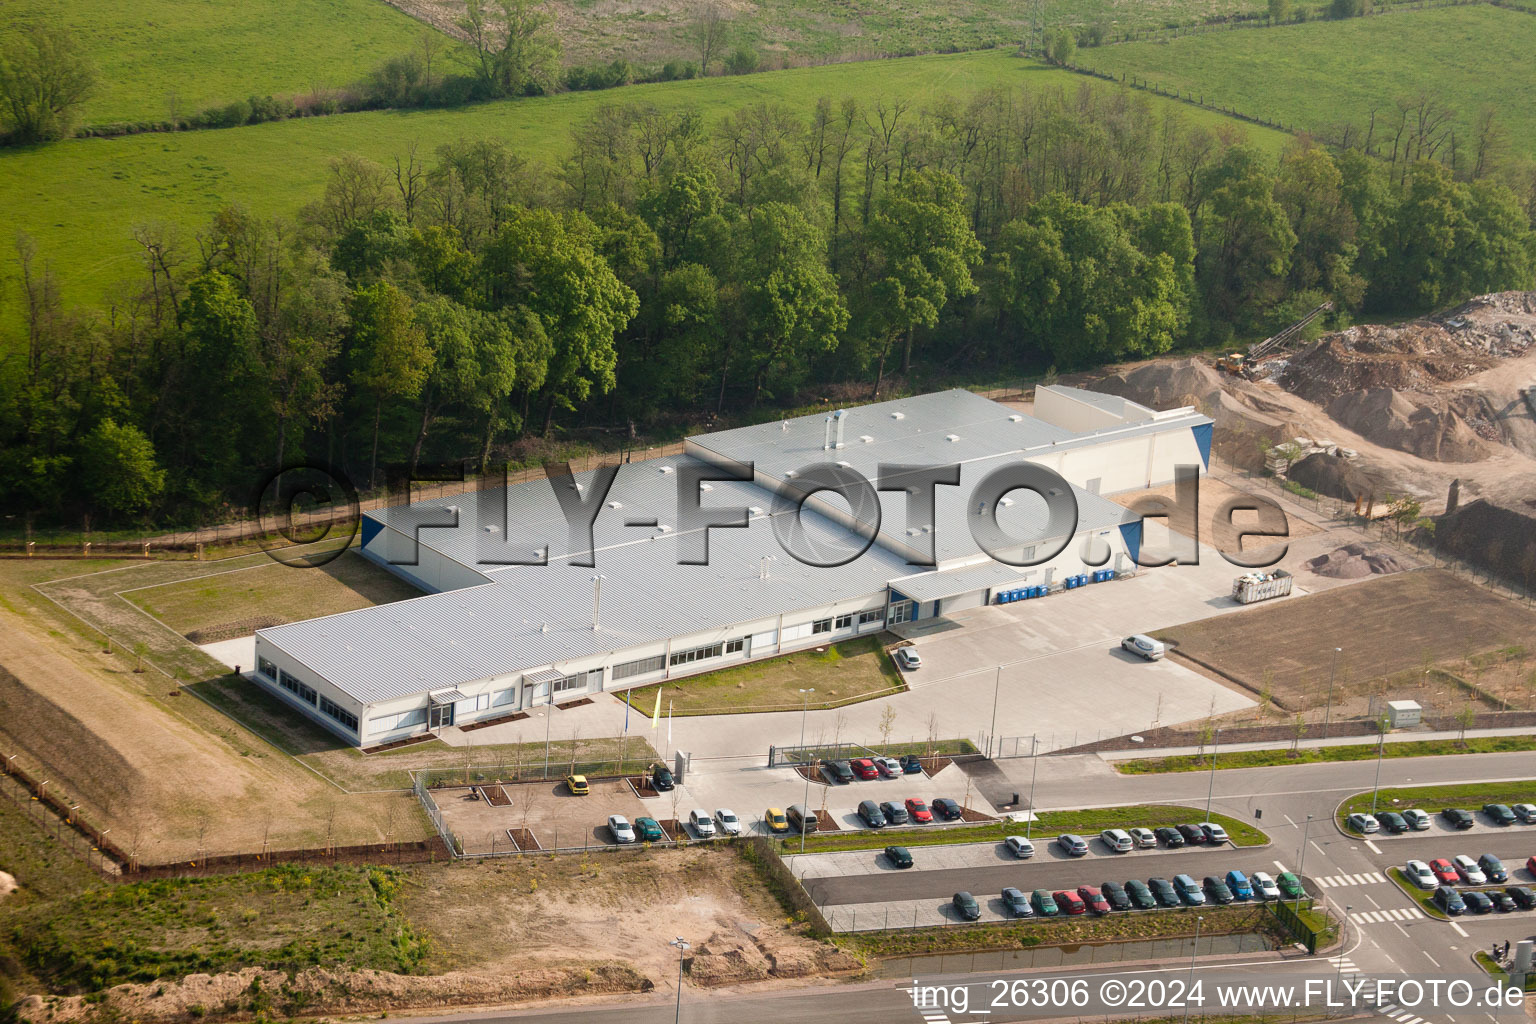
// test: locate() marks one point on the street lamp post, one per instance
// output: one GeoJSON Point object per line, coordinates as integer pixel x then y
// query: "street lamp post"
{"type": "Point", "coordinates": [1034, 773]}
{"type": "Point", "coordinates": [997, 687]}
{"type": "Point", "coordinates": [1194, 951]}
{"type": "Point", "coordinates": [1381, 750]}
{"type": "Point", "coordinates": [1328, 711]}
{"type": "Point", "coordinates": [1301, 858]}
{"type": "Point", "coordinates": [682, 948]}
{"type": "Point", "coordinates": [1211, 789]}
{"type": "Point", "coordinates": [805, 706]}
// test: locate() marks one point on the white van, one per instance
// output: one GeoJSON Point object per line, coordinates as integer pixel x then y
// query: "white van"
{"type": "Point", "coordinates": [1144, 646]}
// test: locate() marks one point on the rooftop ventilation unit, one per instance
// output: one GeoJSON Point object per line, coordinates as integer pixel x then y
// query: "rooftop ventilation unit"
{"type": "Point", "coordinates": [1015, 418]}
{"type": "Point", "coordinates": [755, 510]}
{"type": "Point", "coordinates": [615, 504]}
{"type": "Point", "coordinates": [492, 529]}
{"type": "Point", "coordinates": [839, 418]}
{"type": "Point", "coordinates": [665, 469]}
{"type": "Point", "coordinates": [951, 437]}
{"type": "Point", "coordinates": [898, 415]}
{"type": "Point", "coordinates": [866, 439]}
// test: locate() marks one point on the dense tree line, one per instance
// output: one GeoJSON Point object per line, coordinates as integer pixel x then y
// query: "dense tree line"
{"type": "Point", "coordinates": [466, 303]}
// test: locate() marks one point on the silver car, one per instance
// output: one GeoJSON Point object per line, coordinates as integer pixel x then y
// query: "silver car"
{"type": "Point", "coordinates": [623, 831]}
{"type": "Point", "coordinates": [1145, 838]}
{"type": "Point", "coordinates": [908, 659]}
{"type": "Point", "coordinates": [1417, 872]}
{"type": "Point", "coordinates": [1417, 820]}
{"type": "Point", "coordinates": [1020, 847]}
{"type": "Point", "coordinates": [1118, 839]}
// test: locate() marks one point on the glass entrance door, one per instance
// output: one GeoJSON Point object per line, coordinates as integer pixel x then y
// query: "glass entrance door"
{"type": "Point", "coordinates": [439, 715]}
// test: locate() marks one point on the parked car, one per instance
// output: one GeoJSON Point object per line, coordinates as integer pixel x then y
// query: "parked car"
{"type": "Point", "coordinates": [864, 768]}
{"type": "Point", "coordinates": [871, 815]}
{"type": "Point", "coordinates": [911, 764]}
{"type": "Point", "coordinates": [1264, 886]}
{"type": "Point", "coordinates": [649, 830]}
{"type": "Point", "coordinates": [1449, 900]}
{"type": "Point", "coordinates": [1467, 868]}
{"type": "Point", "coordinates": [1501, 900]}
{"type": "Point", "coordinates": [801, 820]}
{"type": "Point", "coordinates": [1140, 895]}
{"type": "Point", "coordinates": [918, 811]}
{"type": "Point", "coordinates": [839, 771]}
{"type": "Point", "coordinates": [1530, 865]}
{"type": "Point", "coordinates": [1523, 895]}
{"type": "Point", "coordinates": [966, 906]}
{"type": "Point", "coordinates": [1118, 839]}
{"type": "Point", "coordinates": [1163, 892]}
{"type": "Point", "coordinates": [1362, 823]}
{"type": "Point", "coordinates": [1392, 822]}
{"type": "Point", "coordinates": [703, 824]}
{"type": "Point", "coordinates": [1020, 847]}
{"type": "Point", "coordinates": [776, 820]}
{"type": "Point", "coordinates": [1417, 820]}
{"type": "Point", "coordinates": [622, 831]}
{"type": "Point", "coordinates": [1499, 814]}
{"type": "Point", "coordinates": [895, 814]}
{"type": "Point", "coordinates": [1169, 837]}
{"type": "Point", "coordinates": [1144, 838]}
{"type": "Point", "coordinates": [1444, 871]}
{"type": "Point", "coordinates": [1094, 898]}
{"type": "Point", "coordinates": [661, 779]}
{"type": "Point", "coordinates": [1115, 894]}
{"type": "Point", "coordinates": [1238, 882]}
{"type": "Point", "coordinates": [1044, 903]}
{"type": "Point", "coordinates": [889, 767]}
{"type": "Point", "coordinates": [577, 784]}
{"type": "Point", "coordinates": [899, 856]}
{"type": "Point", "coordinates": [1457, 818]}
{"type": "Point", "coordinates": [726, 821]}
{"type": "Point", "coordinates": [1214, 833]}
{"type": "Point", "coordinates": [1070, 903]}
{"type": "Point", "coordinates": [1016, 903]}
{"type": "Point", "coordinates": [1194, 835]}
{"type": "Point", "coordinates": [1216, 890]}
{"type": "Point", "coordinates": [1144, 646]}
{"type": "Point", "coordinates": [1525, 812]}
{"type": "Point", "coordinates": [1493, 868]}
{"type": "Point", "coordinates": [1071, 845]}
{"type": "Point", "coordinates": [908, 658]}
{"type": "Point", "coordinates": [1189, 890]}
{"type": "Point", "coordinates": [947, 809]}
{"type": "Point", "coordinates": [1417, 872]}
{"type": "Point", "coordinates": [1290, 885]}
{"type": "Point", "coordinates": [1477, 902]}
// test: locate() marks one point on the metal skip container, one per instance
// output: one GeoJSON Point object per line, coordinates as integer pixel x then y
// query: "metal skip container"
{"type": "Point", "coordinates": [1261, 586]}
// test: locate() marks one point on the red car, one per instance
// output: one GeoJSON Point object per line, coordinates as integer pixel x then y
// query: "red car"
{"type": "Point", "coordinates": [1094, 898]}
{"type": "Point", "coordinates": [919, 810]}
{"type": "Point", "coordinates": [1530, 865]}
{"type": "Point", "coordinates": [1445, 872]}
{"type": "Point", "coordinates": [1070, 902]}
{"type": "Point", "coordinates": [864, 768]}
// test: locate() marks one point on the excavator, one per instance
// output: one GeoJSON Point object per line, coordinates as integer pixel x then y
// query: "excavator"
{"type": "Point", "coordinates": [1238, 363]}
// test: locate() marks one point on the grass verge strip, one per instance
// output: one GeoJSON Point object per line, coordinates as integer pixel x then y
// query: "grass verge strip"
{"type": "Point", "coordinates": [1471, 796]}
{"type": "Point", "coordinates": [1319, 755]}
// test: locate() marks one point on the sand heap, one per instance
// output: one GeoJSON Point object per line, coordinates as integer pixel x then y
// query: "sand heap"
{"type": "Point", "coordinates": [1168, 384]}
{"type": "Point", "coordinates": [1353, 561]}
{"type": "Point", "coordinates": [1393, 384]}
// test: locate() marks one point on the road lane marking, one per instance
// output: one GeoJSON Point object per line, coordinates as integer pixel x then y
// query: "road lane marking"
{"type": "Point", "coordinates": [1280, 867]}
{"type": "Point", "coordinates": [1461, 932]}
{"type": "Point", "coordinates": [1319, 849]}
{"type": "Point", "coordinates": [1430, 958]}
{"type": "Point", "coordinates": [1372, 847]}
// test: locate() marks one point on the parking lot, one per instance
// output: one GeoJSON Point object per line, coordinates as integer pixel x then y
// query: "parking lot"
{"type": "Point", "coordinates": [546, 809]}
{"type": "Point", "coordinates": [956, 856]}
{"type": "Point", "coordinates": [1481, 825]}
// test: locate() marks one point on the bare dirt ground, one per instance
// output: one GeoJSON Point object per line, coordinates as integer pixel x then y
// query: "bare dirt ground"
{"type": "Point", "coordinates": [527, 929]}
{"type": "Point", "coordinates": [1287, 649]}
{"type": "Point", "coordinates": [168, 774]}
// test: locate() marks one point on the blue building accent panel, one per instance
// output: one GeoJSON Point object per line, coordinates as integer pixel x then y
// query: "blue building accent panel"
{"type": "Point", "coordinates": [1203, 442]}
{"type": "Point", "coordinates": [371, 528]}
{"type": "Point", "coordinates": [1131, 534]}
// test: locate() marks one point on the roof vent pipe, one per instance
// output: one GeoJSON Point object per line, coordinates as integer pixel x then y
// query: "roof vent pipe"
{"type": "Point", "coordinates": [841, 416]}
{"type": "Point", "coordinates": [826, 444]}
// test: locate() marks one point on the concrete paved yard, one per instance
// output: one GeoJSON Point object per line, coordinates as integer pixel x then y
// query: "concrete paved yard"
{"type": "Point", "coordinates": [547, 809]}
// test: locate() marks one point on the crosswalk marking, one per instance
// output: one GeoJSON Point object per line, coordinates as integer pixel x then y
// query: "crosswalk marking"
{"type": "Point", "coordinates": [1334, 881]}
{"type": "Point", "coordinates": [1399, 1014]}
{"type": "Point", "coordinates": [1344, 965]}
{"type": "Point", "coordinates": [1383, 916]}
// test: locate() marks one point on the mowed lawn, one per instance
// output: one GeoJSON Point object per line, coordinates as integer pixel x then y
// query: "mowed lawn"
{"type": "Point", "coordinates": [211, 52]}
{"type": "Point", "coordinates": [81, 200]}
{"type": "Point", "coordinates": [272, 593]}
{"type": "Point", "coordinates": [839, 673]}
{"type": "Point", "coordinates": [1325, 73]}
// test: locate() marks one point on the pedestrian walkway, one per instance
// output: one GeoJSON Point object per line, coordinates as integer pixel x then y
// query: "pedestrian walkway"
{"type": "Point", "coordinates": [1383, 916]}
{"type": "Point", "coordinates": [1334, 881]}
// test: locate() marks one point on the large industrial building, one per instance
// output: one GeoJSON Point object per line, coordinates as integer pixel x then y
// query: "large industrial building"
{"type": "Point", "coordinates": [491, 638]}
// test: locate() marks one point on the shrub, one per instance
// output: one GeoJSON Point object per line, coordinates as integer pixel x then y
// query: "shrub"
{"type": "Point", "coordinates": [742, 61]}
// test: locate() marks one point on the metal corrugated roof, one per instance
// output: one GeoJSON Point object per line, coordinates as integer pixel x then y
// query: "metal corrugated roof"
{"type": "Point", "coordinates": [533, 616]}
{"type": "Point", "coordinates": [1114, 404]}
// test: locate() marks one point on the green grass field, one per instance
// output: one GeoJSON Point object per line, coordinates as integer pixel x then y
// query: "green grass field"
{"type": "Point", "coordinates": [205, 53]}
{"type": "Point", "coordinates": [1324, 73]}
{"type": "Point", "coordinates": [81, 199]}
{"type": "Point", "coordinates": [1316, 755]}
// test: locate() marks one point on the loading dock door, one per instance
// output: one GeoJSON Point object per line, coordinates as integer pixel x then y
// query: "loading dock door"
{"type": "Point", "coordinates": [975, 599]}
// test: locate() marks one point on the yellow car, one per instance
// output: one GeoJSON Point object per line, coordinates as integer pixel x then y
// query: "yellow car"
{"type": "Point", "coordinates": [775, 820]}
{"type": "Point", "coordinates": [577, 784]}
